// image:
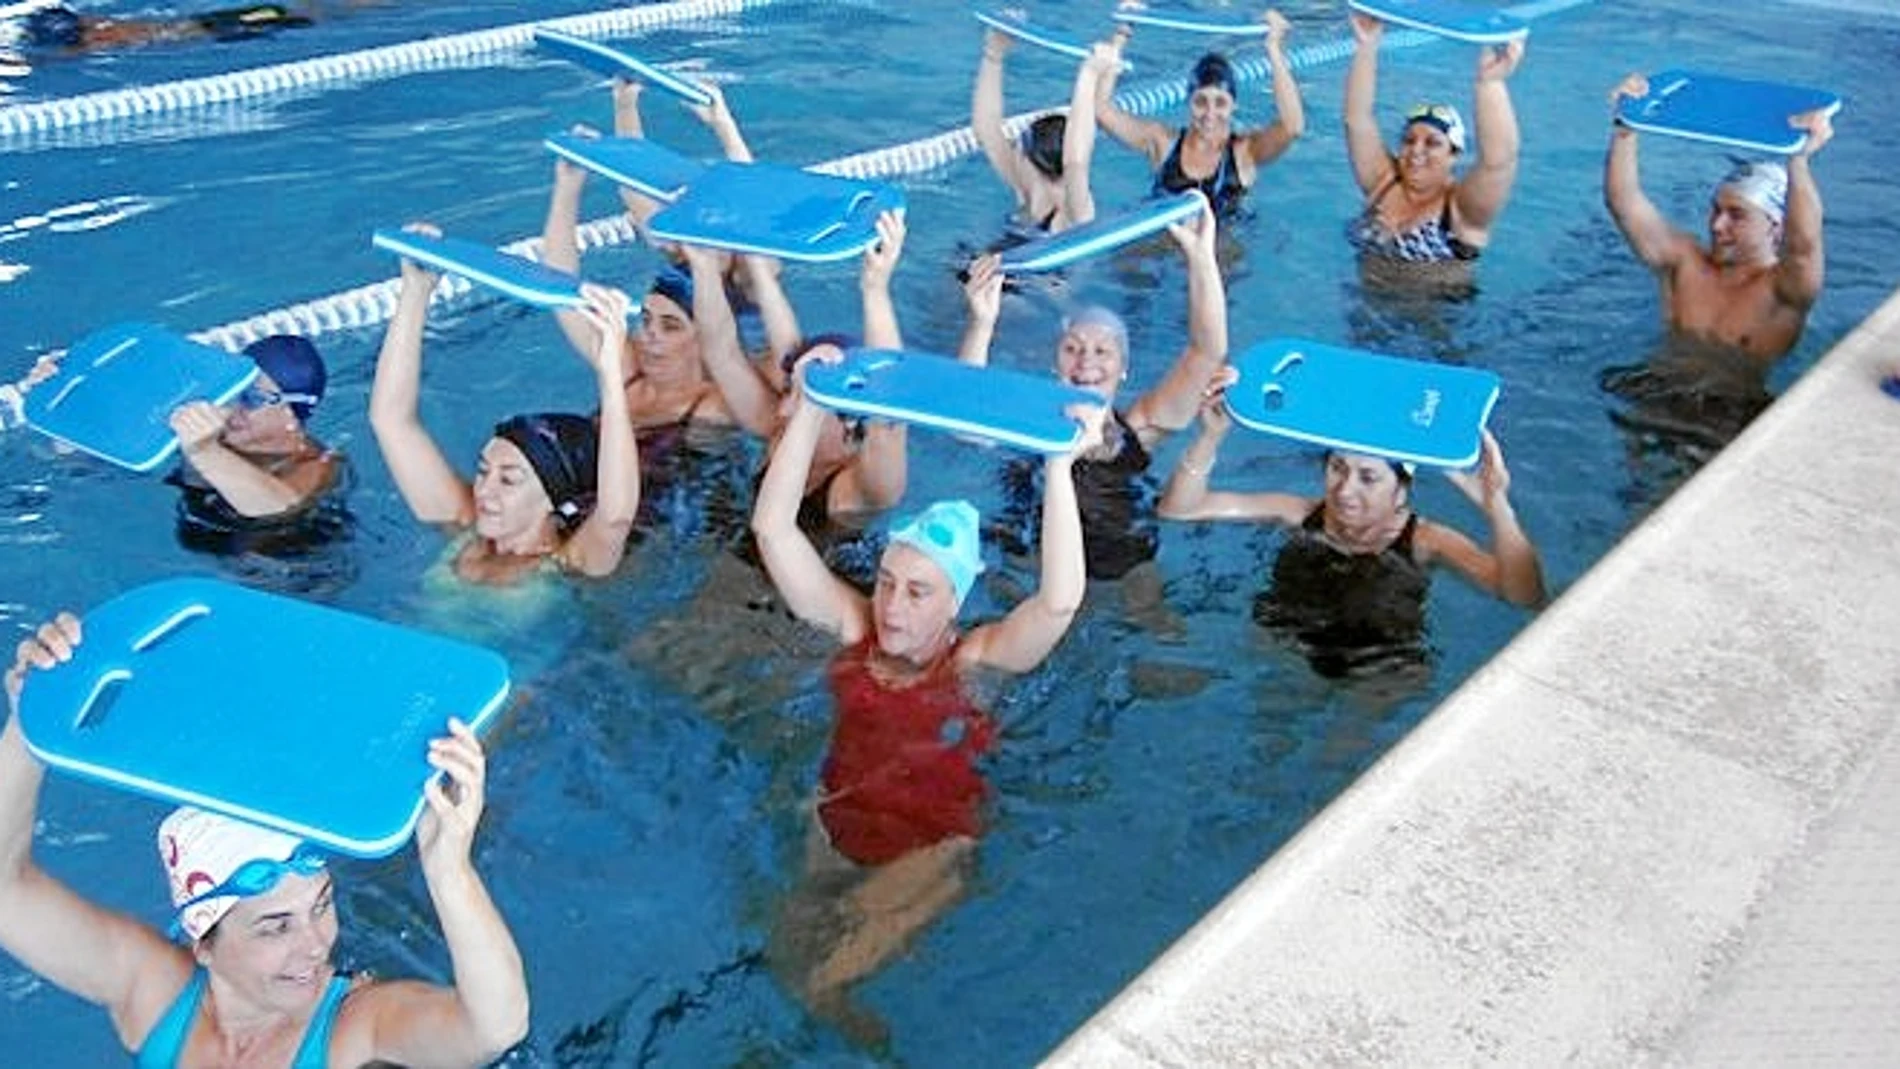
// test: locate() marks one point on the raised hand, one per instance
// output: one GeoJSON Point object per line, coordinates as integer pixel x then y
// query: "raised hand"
{"type": "Point", "coordinates": [1367, 30]}
{"type": "Point", "coordinates": [197, 424]}
{"type": "Point", "coordinates": [1489, 486]}
{"type": "Point", "coordinates": [1820, 128]}
{"type": "Point", "coordinates": [983, 288]}
{"type": "Point", "coordinates": [455, 799]}
{"type": "Point", "coordinates": [606, 310]}
{"type": "Point", "coordinates": [414, 273]}
{"type": "Point", "coordinates": [880, 259]}
{"type": "Point", "coordinates": [51, 645]}
{"type": "Point", "coordinates": [1497, 62]}
{"type": "Point", "coordinates": [1197, 236]}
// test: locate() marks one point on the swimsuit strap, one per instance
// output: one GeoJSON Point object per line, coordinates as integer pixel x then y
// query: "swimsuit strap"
{"type": "Point", "coordinates": [166, 1041]}
{"type": "Point", "coordinates": [314, 1051]}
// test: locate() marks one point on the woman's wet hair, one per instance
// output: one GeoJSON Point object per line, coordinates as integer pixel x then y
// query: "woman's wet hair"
{"type": "Point", "coordinates": [1042, 144]}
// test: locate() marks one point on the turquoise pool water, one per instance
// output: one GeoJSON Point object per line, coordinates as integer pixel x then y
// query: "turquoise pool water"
{"type": "Point", "coordinates": [646, 816]}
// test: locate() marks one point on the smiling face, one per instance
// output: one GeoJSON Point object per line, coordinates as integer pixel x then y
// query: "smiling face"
{"type": "Point", "coordinates": [274, 949]}
{"type": "Point", "coordinates": [510, 502]}
{"type": "Point", "coordinates": [913, 606]}
{"type": "Point", "coordinates": [1363, 491]}
{"type": "Point", "coordinates": [1740, 232]}
{"type": "Point", "coordinates": [1090, 356]}
{"type": "Point", "coordinates": [1211, 112]}
{"type": "Point", "coordinates": [1425, 155]}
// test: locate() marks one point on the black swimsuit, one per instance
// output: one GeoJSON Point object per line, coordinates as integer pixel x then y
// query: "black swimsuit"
{"type": "Point", "coordinates": [1115, 497]}
{"type": "Point", "coordinates": [1223, 188]}
{"type": "Point", "coordinates": [1347, 610]}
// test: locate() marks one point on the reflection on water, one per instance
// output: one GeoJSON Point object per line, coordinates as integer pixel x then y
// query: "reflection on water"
{"type": "Point", "coordinates": [1677, 409]}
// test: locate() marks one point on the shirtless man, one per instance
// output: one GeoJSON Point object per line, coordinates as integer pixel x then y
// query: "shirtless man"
{"type": "Point", "coordinates": [1751, 289]}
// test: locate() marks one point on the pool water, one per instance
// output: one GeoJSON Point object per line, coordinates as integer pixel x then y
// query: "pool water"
{"type": "Point", "coordinates": [649, 790]}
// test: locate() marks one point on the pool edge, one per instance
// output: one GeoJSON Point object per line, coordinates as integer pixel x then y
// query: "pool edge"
{"type": "Point", "coordinates": [1593, 849]}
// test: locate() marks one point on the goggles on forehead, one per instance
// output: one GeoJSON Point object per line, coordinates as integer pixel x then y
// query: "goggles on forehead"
{"type": "Point", "coordinates": [259, 875]}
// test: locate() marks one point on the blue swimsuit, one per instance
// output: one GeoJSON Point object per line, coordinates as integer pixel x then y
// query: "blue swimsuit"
{"type": "Point", "coordinates": [166, 1041]}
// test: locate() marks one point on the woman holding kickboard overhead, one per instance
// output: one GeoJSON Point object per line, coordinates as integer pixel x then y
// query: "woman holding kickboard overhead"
{"type": "Point", "coordinates": [253, 984]}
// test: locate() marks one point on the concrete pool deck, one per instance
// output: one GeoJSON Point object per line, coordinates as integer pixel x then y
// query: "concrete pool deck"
{"type": "Point", "coordinates": [1662, 826]}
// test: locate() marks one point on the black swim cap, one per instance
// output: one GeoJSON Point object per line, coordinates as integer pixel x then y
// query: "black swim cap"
{"type": "Point", "coordinates": [54, 27]}
{"type": "Point", "coordinates": [1042, 144]}
{"type": "Point", "coordinates": [563, 449]}
{"type": "Point", "coordinates": [1213, 69]}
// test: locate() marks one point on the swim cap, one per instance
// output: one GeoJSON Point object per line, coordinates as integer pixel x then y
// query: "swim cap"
{"type": "Point", "coordinates": [1042, 144]}
{"type": "Point", "coordinates": [1213, 69]}
{"type": "Point", "coordinates": [200, 851]}
{"type": "Point", "coordinates": [1442, 117]}
{"type": "Point", "coordinates": [295, 366]}
{"type": "Point", "coordinates": [946, 532]}
{"type": "Point", "coordinates": [54, 27]}
{"type": "Point", "coordinates": [563, 450]}
{"type": "Point", "coordinates": [1095, 315]}
{"type": "Point", "coordinates": [676, 286]}
{"type": "Point", "coordinates": [1761, 183]}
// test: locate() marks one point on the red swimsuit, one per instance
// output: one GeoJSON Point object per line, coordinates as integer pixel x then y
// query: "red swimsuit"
{"type": "Point", "coordinates": [901, 772]}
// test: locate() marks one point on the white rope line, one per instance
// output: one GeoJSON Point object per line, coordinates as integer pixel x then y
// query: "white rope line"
{"type": "Point", "coordinates": [65, 113]}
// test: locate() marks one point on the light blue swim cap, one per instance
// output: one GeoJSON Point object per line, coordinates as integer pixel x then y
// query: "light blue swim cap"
{"type": "Point", "coordinates": [947, 532]}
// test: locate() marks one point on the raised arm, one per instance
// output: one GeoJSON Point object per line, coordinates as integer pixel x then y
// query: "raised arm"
{"type": "Point", "coordinates": [1649, 235]}
{"type": "Point", "coordinates": [1146, 136]}
{"type": "Point", "coordinates": [1289, 120]}
{"type": "Point", "coordinates": [1078, 134]}
{"type": "Point", "coordinates": [809, 588]}
{"type": "Point", "coordinates": [1510, 570]}
{"type": "Point", "coordinates": [983, 293]}
{"type": "Point", "coordinates": [1799, 274]}
{"type": "Point", "coordinates": [986, 116]}
{"type": "Point", "coordinates": [429, 486]}
{"type": "Point", "coordinates": [1187, 497]}
{"type": "Point", "coordinates": [627, 123]}
{"type": "Point", "coordinates": [752, 401]}
{"type": "Point", "coordinates": [1171, 405]}
{"type": "Point", "coordinates": [101, 956]}
{"type": "Point", "coordinates": [601, 541]}
{"type": "Point", "coordinates": [1487, 185]}
{"type": "Point", "coordinates": [561, 248]}
{"type": "Point", "coordinates": [1372, 165]}
{"type": "Point", "coordinates": [249, 489]}
{"type": "Point", "coordinates": [720, 120]}
{"type": "Point", "coordinates": [1028, 634]}
{"type": "Point", "coordinates": [486, 1012]}
{"type": "Point", "coordinates": [876, 477]}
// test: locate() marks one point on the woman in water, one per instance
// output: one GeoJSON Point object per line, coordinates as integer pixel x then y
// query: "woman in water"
{"type": "Point", "coordinates": [1422, 224]}
{"type": "Point", "coordinates": [1209, 154]}
{"type": "Point", "coordinates": [1349, 586]}
{"type": "Point", "coordinates": [901, 798]}
{"type": "Point", "coordinates": [253, 983]}
{"type": "Point", "coordinates": [1046, 168]}
{"type": "Point", "coordinates": [550, 490]}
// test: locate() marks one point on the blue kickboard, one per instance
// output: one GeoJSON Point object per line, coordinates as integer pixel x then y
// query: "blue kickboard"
{"type": "Point", "coordinates": [116, 388]}
{"type": "Point", "coordinates": [777, 211]}
{"type": "Point", "coordinates": [616, 63]}
{"type": "Point", "coordinates": [1102, 234]}
{"type": "Point", "coordinates": [262, 707]}
{"type": "Point", "coordinates": [1360, 402]}
{"type": "Point", "coordinates": [1448, 18]}
{"type": "Point", "coordinates": [1040, 36]}
{"type": "Point", "coordinates": [1748, 115]}
{"type": "Point", "coordinates": [650, 169]}
{"type": "Point", "coordinates": [524, 280]}
{"type": "Point", "coordinates": [1012, 407]}
{"type": "Point", "coordinates": [1194, 22]}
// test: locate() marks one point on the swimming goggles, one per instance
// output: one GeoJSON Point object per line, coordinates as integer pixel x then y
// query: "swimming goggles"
{"type": "Point", "coordinates": [259, 875]}
{"type": "Point", "coordinates": [1439, 113]}
{"type": "Point", "coordinates": [258, 397]}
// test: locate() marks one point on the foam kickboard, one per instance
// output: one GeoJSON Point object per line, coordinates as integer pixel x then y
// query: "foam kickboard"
{"type": "Point", "coordinates": [1011, 407]}
{"type": "Point", "coordinates": [512, 276]}
{"type": "Point", "coordinates": [777, 211]}
{"type": "Point", "coordinates": [1361, 402]}
{"type": "Point", "coordinates": [116, 388]}
{"type": "Point", "coordinates": [1734, 112]}
{"type": "Point", "coordinates": [617, 63]}
{"type": "Point", "coordinates": [1041, 36]}
{"type": "Point", "coordinates": [265, 708]}
{"type": "Point", "coordinates": [1448, 18]}
{"type": "Point", "coordinates": [644, 166]}
{"type": "Point", "coordinates": [1103, 234]}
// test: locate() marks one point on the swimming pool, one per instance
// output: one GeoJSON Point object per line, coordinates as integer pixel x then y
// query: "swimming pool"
{"type": "Point", "coordinates": [637, 844]}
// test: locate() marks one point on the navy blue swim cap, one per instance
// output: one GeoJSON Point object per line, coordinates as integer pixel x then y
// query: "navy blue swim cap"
{"type": "Point", "coordinates": [1213, 69]}
{"type": "Point", "coordinates": [295, 366]}
{"type": "Point", "coordinates": [54, 27]}
{"type": "Point", "coordinates": [1042, 144]}
{"type": "Point", "coordinates": [676, 286]}
{"type": "Point", "coordinates": [563, 449]}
